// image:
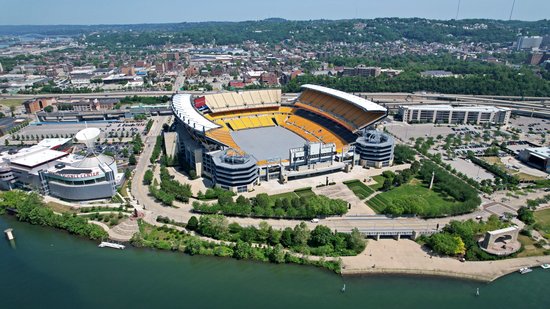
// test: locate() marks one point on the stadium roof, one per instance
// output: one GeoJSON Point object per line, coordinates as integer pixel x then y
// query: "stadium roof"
{"type": "Point", "coordinates": [353, 99]}
{"type": "Point", "coordinates": [182, 105]}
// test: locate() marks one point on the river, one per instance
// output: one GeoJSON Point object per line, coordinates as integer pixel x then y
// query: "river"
{"type": "Point", "coordinates": [48, 268]}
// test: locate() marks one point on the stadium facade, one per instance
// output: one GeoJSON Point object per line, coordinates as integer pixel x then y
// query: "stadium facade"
{"type": "Point", "coordinates": [331, 123]}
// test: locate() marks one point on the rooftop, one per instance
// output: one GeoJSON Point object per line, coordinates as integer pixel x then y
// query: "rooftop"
{"type": "Point", "coordinates": [543, 152]}
{"type": "Point", "coordinates": [182, 106]}
{"type": "Point", "coordinates": [38, 157]}
{"type": "Point", "coordinates": [353, 99]}
{"type": "Point", "coordinates": [456, 108]}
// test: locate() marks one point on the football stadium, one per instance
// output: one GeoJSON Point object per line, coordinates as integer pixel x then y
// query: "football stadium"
{"type": "Point", "coordinates": [239, 139]}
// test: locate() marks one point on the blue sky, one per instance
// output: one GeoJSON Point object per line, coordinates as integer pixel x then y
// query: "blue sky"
{"type": "Point", "coordinates": [36, 12]}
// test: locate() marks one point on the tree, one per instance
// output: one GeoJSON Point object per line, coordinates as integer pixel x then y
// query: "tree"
{"type": "Point", "coordinates": [286, 237]}
{"type": "Point", "coordinates": [356, 242]}
{"type": "Point", "coordinates": [263, 232]}
{"type": "Point", "coordinates": [447, 244]}
{"type": "Point", "coordinates": [387, 184]}
{"type": "Point", "coordinates": [526, 215]}
{"type": "Point", "coordinates": [148, 177]}
{"type": "Point", "coordinates": [300, 235]}
{"type": "Point", "coordinates": [320, 236]}
{"type": "Point", "coordinates": [132, 160]}
{"type": "Point", "coordinates": [403, 154]}
{"type": "Point", "coordinates": [277, 254]}
{"type": "Point", "coordinates": [192, 223]}
{"type": "Point", "coordinates": [48, 109]}
{"type": "Point", "coordinates": [242, 250]}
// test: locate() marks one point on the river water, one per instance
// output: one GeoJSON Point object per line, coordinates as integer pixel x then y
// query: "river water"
{"type": "Point", "coordinates": [47, 268]}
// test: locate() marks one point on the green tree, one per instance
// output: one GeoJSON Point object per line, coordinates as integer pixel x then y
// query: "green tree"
{"type": "Point", "coordinates": [148, 177]}
{"type": "Point", "coordinates": [301, 235]}
{"type": "Point", "coordinates": [356, 241]}
{"type": "Point", "coordinates": [132, 160]}
{"type": "Point", "coordinates": [526, 215]}
{"type": "Point", "coordinates": [447, 244]}
{"type": "Point", "coordinates": [192, 223]}
{"type": "Point", "coordinates": [320, 236]}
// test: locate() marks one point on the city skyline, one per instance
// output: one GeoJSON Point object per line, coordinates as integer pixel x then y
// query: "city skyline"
{"type": "Point", "coordinates": [139, 11]}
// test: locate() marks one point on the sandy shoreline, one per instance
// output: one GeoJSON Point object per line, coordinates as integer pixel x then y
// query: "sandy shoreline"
{"type": "Point", "coordinates": [405, 257]}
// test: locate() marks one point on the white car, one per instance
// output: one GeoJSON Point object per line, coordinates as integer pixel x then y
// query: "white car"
{"type": "Point", "coordinates": [315, 220]}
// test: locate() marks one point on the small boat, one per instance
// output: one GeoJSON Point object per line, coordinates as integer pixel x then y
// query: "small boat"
{"type": "Point", "coordinates": [545, 266]}
{"type": "Point", "coordinates": [106, 244]}
{"type": "Point", "coordinates": [344, 288]}
{"type": "Point", "coordinates": [477, 292]}
{"type": "Point", "coordinates": [525, 270]}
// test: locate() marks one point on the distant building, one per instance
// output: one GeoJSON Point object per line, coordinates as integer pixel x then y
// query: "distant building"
{"type": "Point", "coordinates": [362, 71]}
{"type": "Point", "coordinates": [36, 105]}
{"type": "Point", "coordinates": [160, 68]}
{"type": "Point", "coordinates": [537, 58]}
{"type": "Point", "coordinates": [269, 79]}
{"type": "Point", "coordinates": [529, 42]}
{"type": "Point", "coordinates": [237, 84]}
{"type": "Point", "coordinates": [545, 42]}
{"type": "Point", "coordinates": [391, 72]}
{"type": "Point", "coordinates": [128, 71]}
{"type": "Point", "coordinates": [437, 73]}
{"type": "Point", "coordinates": [88, 105]}
{"type": "Point", "coordinates": [536, 157]}
{"type": "Point", "coordinates": [454, 114]}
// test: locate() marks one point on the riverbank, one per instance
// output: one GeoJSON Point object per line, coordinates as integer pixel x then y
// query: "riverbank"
{"type": "Point", "coordinates": [405, 257]}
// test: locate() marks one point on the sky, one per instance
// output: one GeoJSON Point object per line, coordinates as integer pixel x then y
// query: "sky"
{"type": "Point", "coordinates": [86, 12]}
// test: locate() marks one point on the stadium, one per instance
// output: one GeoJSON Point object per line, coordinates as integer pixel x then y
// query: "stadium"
{"type": "Point", "coordinates": [239, 139]}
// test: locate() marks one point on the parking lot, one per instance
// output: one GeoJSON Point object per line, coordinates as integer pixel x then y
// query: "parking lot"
{"type": "Point", "coordinates": [108, 129]}
{"type": "Point", "coordinates": [406, 131]}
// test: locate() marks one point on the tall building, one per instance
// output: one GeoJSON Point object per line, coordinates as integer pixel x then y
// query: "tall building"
{"type": "Point", "coordinates": [529, 42]}
{"type": "Point", "coordinates": [362, 70]}
{"type": "Point", "coordinates": [454, 114]}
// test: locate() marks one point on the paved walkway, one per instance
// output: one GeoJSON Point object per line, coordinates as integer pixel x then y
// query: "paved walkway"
{"type": "Point", "coordinates": [341, 191]}
{"type": "Point", "coordinates": [388, 256]}
{"type": "Point", "coordinates": [124, 230]}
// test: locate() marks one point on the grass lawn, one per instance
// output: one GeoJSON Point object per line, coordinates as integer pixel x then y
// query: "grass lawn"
{"type": "Point", "coordinates": [123, 188]}
{"type": "Point", "coordinates": [305, 192]}
{"type": "Point", "coordinates": [378, 203]}
{"type": "Point", "coordinates": [529, 247]}
{"type": "Point", "coordinates": [60, 208]}
{"type": "Point", "coordinates": [11, 102]}
{"type": "Point", "coordinates": [287, 195]}
{"type": "Point", "coordinates": [379, 182]}
{"type": "Point", "coordinates": [435, 203]}
{"type": "Point", "coordinates": [542, 219]}
{"type": "Point", "coordinates": [361, 190]}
